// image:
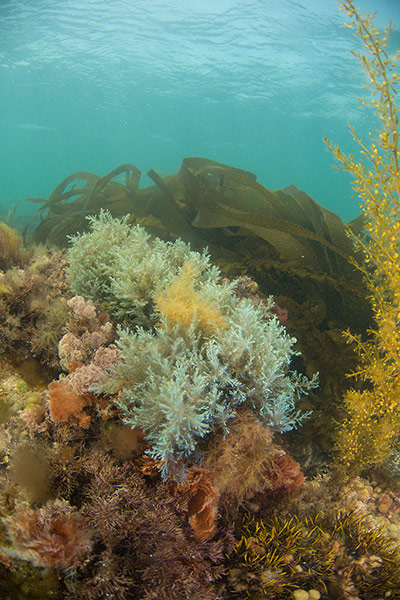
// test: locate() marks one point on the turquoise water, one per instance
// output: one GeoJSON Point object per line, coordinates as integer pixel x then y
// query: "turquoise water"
{"type": "Point", "coordinates": [91, 84]}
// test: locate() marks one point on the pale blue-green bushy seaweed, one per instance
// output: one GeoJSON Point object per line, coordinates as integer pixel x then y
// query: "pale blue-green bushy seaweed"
{"type": "Point", "coordinates": [121, 267]}
{"type": "Point", "coordinates": [180, 384]}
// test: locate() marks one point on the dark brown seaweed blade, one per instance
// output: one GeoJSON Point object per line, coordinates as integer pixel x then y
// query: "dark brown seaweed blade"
{"type": "Point", "coordinates": [204, 196]}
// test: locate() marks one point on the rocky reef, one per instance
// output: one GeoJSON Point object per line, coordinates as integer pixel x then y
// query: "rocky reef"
{"type": "Point", "coordinates": [163, 430]}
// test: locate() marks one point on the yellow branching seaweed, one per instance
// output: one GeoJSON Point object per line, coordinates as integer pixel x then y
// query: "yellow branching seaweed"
{"type": "Point", "coordinates": [182, 305]}
{"type": "Point", "coordinates": [372, 426]}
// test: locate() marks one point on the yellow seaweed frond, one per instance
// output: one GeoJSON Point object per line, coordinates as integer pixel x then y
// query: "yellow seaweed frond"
{"type": "Point", "coordinates": [182, 305]}
{"type": "Point", "coordinates": [372, 426]}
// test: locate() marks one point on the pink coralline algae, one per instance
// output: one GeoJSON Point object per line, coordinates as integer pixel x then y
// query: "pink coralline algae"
{"type": "Point", "coordinates": [83, 310]}
{"type": "Point", "coordinates": [88, 330]}
{"type": "Point", "coordinates": [280, 313]}
{"type": "Point", "coordinates": [87, 353]}
{"type": "Point", "coordinates": [245, 287]}
{"type": "Point", "coordinates": [85, 377]}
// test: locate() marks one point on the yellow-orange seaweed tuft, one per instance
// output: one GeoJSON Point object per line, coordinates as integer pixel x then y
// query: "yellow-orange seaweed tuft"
{"type": "Point", "coordinates": [371, 429]}
{"type": "Point", "coordinates": [182, 305]}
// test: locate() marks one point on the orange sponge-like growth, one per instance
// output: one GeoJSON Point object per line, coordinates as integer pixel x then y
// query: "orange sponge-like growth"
{"type": "Point", "coordinates": [64, 403]}
{"type": "Point", "coordinates": [203, 504]}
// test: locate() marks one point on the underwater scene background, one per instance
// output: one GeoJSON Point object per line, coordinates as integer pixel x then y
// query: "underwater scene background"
{"type": "Point", "coordinates": [199, 369]}
{"type": "Point", "coordinates": [88, 85]}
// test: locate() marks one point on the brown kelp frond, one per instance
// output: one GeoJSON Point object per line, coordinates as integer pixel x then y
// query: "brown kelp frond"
{"type": "Point", "coordinates": [291, 222]}
{"type": "Point", "coordinates": [203, 196]}
{"type": "Point", "coordinates": [65, 210]}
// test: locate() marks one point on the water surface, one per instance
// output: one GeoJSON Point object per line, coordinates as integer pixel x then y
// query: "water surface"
{"type": "Point", "coordinates": [91, 84]}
